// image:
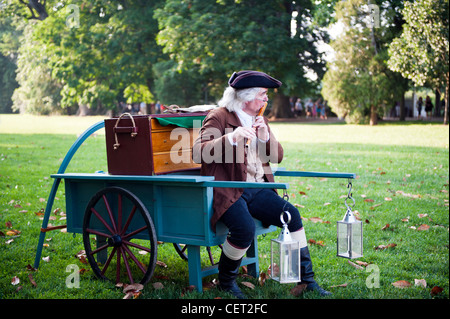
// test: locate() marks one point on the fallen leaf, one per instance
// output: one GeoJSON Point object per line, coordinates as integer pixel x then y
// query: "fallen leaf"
{"type": "Point", "coordinates": [298, 205]}
{"type": "Point", "coordinates": [362, 263]}
{"type": "Point", "coordinates": [316, 219]}
{"type": "Point", "coordinates": [248, 284]}
{"type": "Point", "coordinates": [158, 285]}
{"type": "Point", "coordinates": [319, 242]}
{"type": "Point", "coordinates": [298, 290]}
{"type": "Point", "coordinates": [342, 285]}
{"type": "Point", "coordinates": [422, 215]}
{"type": "Point", "coordinates": [46, 259]}
{"type": "Point", "coordinates": [391, 245]}
{"type": "Point", "coordinates": [436, 290]}
{"type": "Point", "coordinates": [262, 278]}
{"type": "Point", "coordinates": [15, 281]}
{"type": "Point", "coordinates": [132, 287]}
{"type": "Point", "coordinates": [387, 199]}
{"type": "Point", "coordinates": [161, 264]}
{"type": "Point", "coordinates": [405, 219]}
{"type": "Point", "coordinates": [355, 265]}
{"type": "Point", "coordinates": [401, 284]}
{"type": "Point", "coordinates": [374, 206]}
{"type": "Point", "coordinates": [420, 282]}
{"type": "Point", "coordinates": [423, 227]}
{"type": "Point", "coordinates": [30, 276]}
{"type": "Point", "coordinates": [385, 227]}
{"type": "Point", "coordinates": [12, 232]}
{"type": "Point", "coordinates": [368, 200]}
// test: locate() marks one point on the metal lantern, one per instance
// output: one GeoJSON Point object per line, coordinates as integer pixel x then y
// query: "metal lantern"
{"type": "Point", "coordinates": [285, 255]}
{"type": "Point", "coordinates": [349, 234]}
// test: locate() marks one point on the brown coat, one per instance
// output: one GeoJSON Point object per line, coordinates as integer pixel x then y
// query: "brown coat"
{"type": "Point", "coordinates": [227, 162]}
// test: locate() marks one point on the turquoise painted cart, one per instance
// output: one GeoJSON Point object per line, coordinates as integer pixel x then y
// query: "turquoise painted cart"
{"type": "Point", "coordinates": [122, 218]}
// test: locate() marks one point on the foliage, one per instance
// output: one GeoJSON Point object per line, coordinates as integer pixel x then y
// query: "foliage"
{"type": "Point", "coordinates": [38, 92]}
{"type": "Point", "coordinates": [216, 38]}
{"type": "Point", "coordinates": [421, 52]}
{"type": "Point", "coordinates": [106, 53]}
{"type": "Point", "coordinates": [358, 85]}
{"type": "Point", "coordinates": [9, 45]}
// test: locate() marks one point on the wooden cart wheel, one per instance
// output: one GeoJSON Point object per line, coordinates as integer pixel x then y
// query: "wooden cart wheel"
{"type": "Point", "coordinates": [182, 251]}
{"type": "Point", "coordinates": [115, 224]}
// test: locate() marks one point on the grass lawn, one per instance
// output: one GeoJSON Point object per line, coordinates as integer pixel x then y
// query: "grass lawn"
{"type": "Point", "coordinates": [401, 195]}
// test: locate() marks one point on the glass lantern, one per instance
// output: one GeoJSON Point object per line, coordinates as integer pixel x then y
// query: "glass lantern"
{"type": "Point", "coordinates": [285, 255]}
{"type": "Point", "coordinates": [349, 236]}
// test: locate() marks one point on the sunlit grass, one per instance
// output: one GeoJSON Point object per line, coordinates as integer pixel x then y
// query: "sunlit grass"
{"type": "Point", "coordinates": [402, 169]}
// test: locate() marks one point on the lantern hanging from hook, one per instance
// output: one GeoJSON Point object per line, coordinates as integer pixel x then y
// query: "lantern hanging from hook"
{"type": "Point", "coordinates": [349, 232]}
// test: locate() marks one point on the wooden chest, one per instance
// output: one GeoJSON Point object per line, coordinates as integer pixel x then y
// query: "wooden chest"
{"type": "Point", "coordinates": [151, 144]}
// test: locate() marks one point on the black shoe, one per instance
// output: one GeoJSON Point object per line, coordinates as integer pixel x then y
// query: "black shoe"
{"type": "Point", "coordinates": [307, 273]}
{"type": "Point", "coordinates": [228, 272]}
{"type": "Point", "coordinates": [315, 287]}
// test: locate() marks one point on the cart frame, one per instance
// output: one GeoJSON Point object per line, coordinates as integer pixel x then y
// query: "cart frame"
{"type": "Point", "coordinates": [162, 189]}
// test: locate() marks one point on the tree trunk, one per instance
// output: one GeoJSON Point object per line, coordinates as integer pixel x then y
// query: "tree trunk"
{"type": "Point", "coordinates": [281, 106]}
{"type": "Point", "coordinates": [402, 108]}
{"type": "Point", "coordinates": [373, 115]}
{"type": "Point", "coordinates": [446, 102]}
{"type": "Point", "coordinates": [437, 103]}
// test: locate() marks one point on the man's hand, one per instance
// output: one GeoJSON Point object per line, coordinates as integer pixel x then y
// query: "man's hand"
{"type": "Point", "coordinates": [261, 129]}
{"type": "Point", "coordinates": [242, 133]}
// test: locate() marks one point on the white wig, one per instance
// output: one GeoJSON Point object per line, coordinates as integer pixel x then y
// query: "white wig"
{"type": "Point", "coordinates": [235, 100]}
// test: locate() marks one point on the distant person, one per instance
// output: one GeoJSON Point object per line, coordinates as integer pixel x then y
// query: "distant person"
{"type": "Point", "coordinates": [323, 111]}
{"type": "Point", "coordinates": [419, 107]}
{"type": "Point", "coordinates": [298, 108]}
{"type": "Point", "coordinates": [309, 108]}
{"type": "Point", "coordinates": [428, 106]}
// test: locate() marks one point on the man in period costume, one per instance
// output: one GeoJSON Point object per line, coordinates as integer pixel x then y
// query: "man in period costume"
{"type": "Point", "coordinates": [235, 144]}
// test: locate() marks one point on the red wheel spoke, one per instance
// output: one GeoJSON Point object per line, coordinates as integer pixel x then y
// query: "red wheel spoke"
{"type": "Point", "coordinates": [118, 267]}
{"type": "Point", "coordinates": [130, 217]}
{"type": "Point", "coordinates": [111, 217]}
{"type": "Point", "coordinates": [136, 246]}
{"type": "Point", "coordinates": [102, 220]}
{"type": "Point", "coordinates": [99, 249]}
{"type": "Point", "coordinates": [134, 259]}
{"type": "Point", "coordinates": [108, 261]}
{"type": "Point", "coordinates": [92, 231]}
{"type": "Point", "coordinates": [119, 213]}
{"type": "Point", "coordinates": [127, 266]}
{"type": "Point", "coordinates": [134, 232]}
{"type": "Point", "coordinates": [211, 258]}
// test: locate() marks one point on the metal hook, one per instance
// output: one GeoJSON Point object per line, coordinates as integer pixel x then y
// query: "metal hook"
{"type": "Point", "coordinates": [349, 195]}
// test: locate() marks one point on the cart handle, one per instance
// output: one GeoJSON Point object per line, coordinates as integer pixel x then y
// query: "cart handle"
{"type": "Point", "coordinates": [281, 171]}
{"type": "Point", "coordinates": [56, 182]}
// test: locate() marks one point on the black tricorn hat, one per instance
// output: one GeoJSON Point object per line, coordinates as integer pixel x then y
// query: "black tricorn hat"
{"type": "Point", "coordinates": [249, 79]}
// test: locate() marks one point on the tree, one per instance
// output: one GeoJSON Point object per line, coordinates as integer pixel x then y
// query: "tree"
{"type": "Point", "coordinates": [112, 48]}
{"type": "Point", "coordinates": [217, 37]}
{"type": "Point", "coordinates": [99, 52]}
{"type": "Point", "coordinates": [9, 46]}
{"type": "Point", "coordinates": [358, 84]}
{"type": "Point", "coordinates": [421, 53]}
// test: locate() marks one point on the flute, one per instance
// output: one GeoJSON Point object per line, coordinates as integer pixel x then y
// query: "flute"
{"type": "Point", "coordinates": [260, 113]}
